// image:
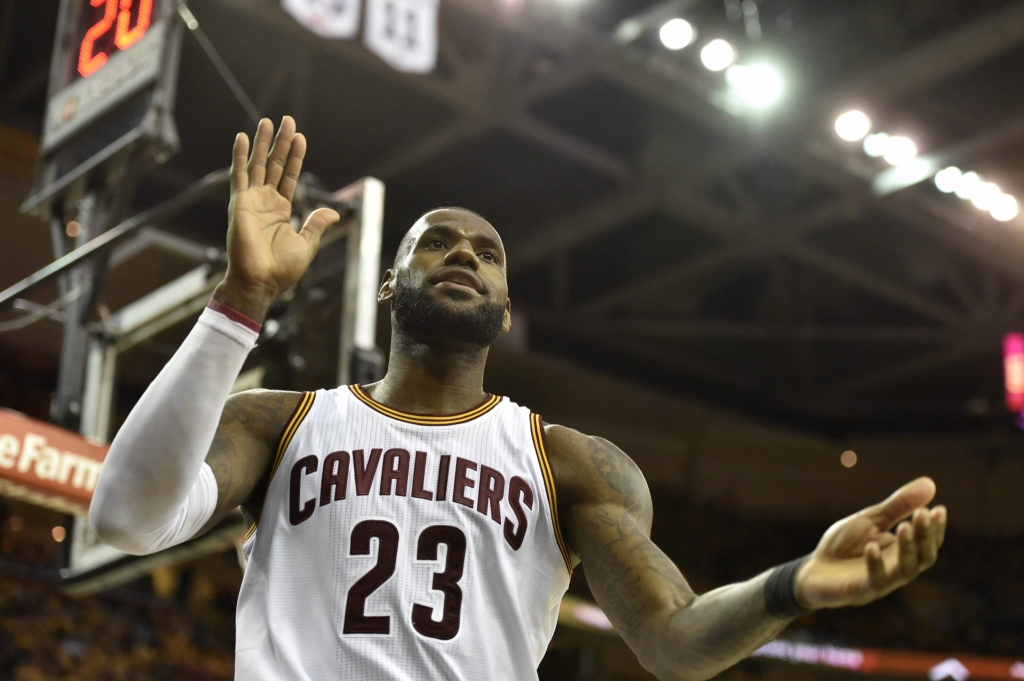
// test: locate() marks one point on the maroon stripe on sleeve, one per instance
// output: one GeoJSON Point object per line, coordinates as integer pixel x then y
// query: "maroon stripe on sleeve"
{"type": "Point", "coordinates": [234, 315]}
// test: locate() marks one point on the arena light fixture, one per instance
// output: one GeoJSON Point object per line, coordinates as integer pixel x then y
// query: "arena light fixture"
{"type": "Point", "coordinates": [948, 179]}
{"type": "Point", "coordinates": [985, 194]}
{"type": "Point", "coordinates": [757, 86]}
{"type": "Point", "coordinates": [717, 55]}
{"type": "Point", "coordinates": [965, 187]}
{"type": "Point", "coordinates": [899, 150]}
{"type": "Point", "coordinates": [1004, 208]}
{"type": "Point", "coordinates": [876, 144]}
{"type": "Point", "coordinates": [677, 33]}
{"type": "Point", "coordinates": [853, 125]}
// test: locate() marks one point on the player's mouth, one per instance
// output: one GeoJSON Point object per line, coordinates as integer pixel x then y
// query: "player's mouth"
{"type": "Point", "coordinates": [459, 280]}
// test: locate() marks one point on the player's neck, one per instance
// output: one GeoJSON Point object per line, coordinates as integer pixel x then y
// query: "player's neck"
{"type": "Point", "coordinates": [427, 380]}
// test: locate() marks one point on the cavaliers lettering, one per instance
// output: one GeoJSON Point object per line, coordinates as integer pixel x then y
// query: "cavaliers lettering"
{"type": "Point", "coordinates": [387, 473]}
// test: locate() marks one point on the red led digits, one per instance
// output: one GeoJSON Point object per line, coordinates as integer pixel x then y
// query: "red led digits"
{"type": "Point", "coordinates": [88, 62]}
{"type": "Point", "coordinates": [125, 38]}
{"type": "Point", "coordinates": [117, 15]}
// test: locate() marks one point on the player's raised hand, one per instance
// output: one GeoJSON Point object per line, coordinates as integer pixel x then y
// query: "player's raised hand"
{"type": "Point", "coordinates": [861, 559]}
{"type": "Point", "coordinates": [265, 254]}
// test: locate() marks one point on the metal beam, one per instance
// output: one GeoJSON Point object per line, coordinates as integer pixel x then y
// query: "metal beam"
{"type": "Point", "coordinates": [903, 370]}
{"type": "Point", "coordinates": [873, 282]}
{"type": "Point", "coordinates": [666, 279]}
{"type": "Point", "coordinates": [993, 34]}
{"type": "Point", "coordinates": [102, 244]}
{"type": "Point", "coordinates": [668, 329]}
{"type": "Point", "coordinates": [561, 235]}
{"type": "Point", "coordinates": [412, 155]}
{"type": "Point", "coordinates": [648, 351]}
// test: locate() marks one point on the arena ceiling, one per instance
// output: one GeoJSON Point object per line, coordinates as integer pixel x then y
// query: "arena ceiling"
{"type": "Point", "coordinates": [758, 262]}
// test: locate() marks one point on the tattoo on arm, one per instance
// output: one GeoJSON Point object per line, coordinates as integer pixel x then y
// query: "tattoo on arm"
{"type": "Point", "coordinates": [608, 514]}
{"type": "Point", "coordinates": [243, 448]}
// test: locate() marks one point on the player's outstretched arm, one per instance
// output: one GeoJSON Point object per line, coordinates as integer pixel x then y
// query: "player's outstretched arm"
{"type": "Point", "coordinates": [181, 459]}
{"type": "Point", "coordinates": [676, 634]}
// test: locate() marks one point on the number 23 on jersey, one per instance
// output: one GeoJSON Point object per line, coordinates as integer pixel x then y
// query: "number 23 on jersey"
{"type": "Point", "coordinates": [427, 545]}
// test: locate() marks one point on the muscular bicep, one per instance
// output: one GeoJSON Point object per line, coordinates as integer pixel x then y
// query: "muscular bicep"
{"type": "Point", "coordinates": [607, 515]}
{"type": "Point", "coordinates": [243, 448]}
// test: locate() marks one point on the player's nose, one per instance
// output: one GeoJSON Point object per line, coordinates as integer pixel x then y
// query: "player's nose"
{"type": "Point", "coordinates": [462, 254]}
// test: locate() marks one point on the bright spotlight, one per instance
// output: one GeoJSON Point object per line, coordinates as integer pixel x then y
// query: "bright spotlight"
{"type": "Point", "coordinates": [676, 34]}
{"type": "Point", "coordinates": [757, 86]}
{"type": "Point", "coordinates": [948, 179]}
{"type": "Point", "coordinates": [899, 151]}
{"type": "Point", "coordinates": [965, 187]}
{"type": "Point", "coordinates": [717, 55]}
{"type": "Point", "coordinates": [1004, 208]}
{"type": "Point", "coordinates": [853, 125]}
{"type": "Point", "coordinates": [876, 144]}
{"type": "Point", "coordinates": [984, 195]}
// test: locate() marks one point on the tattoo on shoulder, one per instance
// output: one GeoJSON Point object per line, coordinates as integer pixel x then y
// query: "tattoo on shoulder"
{"type": "Point", "coordinates": [257, 409]}
{"type": "Point", "coordinates": [242, 448]}
{"type": "Point", "coordinates": [622, 475]}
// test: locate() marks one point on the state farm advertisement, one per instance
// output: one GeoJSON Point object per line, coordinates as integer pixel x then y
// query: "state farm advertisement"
{"type": "Point", "coordinates": [46, 465]}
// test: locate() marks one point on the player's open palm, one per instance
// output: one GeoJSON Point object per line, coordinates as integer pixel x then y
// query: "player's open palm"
{"type": "Point", "coordinates": [264, 251]}
{"type": "Point", "coordinates": [861, 559]}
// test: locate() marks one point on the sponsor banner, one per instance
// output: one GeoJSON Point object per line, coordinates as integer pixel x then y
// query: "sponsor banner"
{"type": "Point", "coordinates": [913, 664]}
{"type": "Point", "coordinates": [46, 465]}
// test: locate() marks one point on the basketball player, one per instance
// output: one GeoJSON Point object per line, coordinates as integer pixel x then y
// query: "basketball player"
{"type": "Point", "coordinates": [419, 527]}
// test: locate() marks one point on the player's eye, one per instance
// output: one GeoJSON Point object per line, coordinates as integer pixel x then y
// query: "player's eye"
{"type": "Point", "coordinates": [436, 243]}
{"type": "Point", "coordinates": [489, 256]}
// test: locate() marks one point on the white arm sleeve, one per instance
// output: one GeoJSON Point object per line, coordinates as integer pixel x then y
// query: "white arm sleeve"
{"type": "Point", "coordinates": [155, 489]}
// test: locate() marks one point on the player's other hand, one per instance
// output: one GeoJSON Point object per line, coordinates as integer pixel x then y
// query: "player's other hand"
{"type": "Point", "coordinates": [862, 557]}
{"type": "Point", "coordinates": [265, 253]}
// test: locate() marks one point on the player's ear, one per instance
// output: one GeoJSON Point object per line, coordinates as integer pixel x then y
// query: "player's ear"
{"type": "Point", "coordinates": [387, 288]}
{"type": "Point", "coordinates": [506, 320]}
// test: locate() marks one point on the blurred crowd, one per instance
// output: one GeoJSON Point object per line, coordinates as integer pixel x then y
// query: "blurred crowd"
{"type": "Point", "coordinates": [47, 635]}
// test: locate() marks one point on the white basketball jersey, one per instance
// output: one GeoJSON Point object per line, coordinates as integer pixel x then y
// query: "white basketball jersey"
{"type": "Point", "coordinates": [402, 546]}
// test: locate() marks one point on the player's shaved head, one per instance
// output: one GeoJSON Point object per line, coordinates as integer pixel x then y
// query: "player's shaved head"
{"type": "Point", "coordinates": [447, 215]}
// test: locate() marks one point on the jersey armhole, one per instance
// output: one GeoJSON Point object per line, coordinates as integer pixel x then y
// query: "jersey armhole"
{"type": "Point", "coordinates": [537, 431]}
{"type": "Point", "coordinates": [301, 410]}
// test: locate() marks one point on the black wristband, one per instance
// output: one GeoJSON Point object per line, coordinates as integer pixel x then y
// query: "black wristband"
{"type": "Point", "coordinates": [780, 591]}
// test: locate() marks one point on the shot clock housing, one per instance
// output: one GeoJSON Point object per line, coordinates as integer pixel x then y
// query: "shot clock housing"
{"type": "Point", "coordinates": [111, 95]}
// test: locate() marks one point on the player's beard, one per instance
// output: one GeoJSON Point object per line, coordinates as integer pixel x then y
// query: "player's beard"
{"type": "Point", "coordinates": [427, 320]}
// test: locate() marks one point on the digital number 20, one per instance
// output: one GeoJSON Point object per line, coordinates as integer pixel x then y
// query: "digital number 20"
{"type": "Point", "coordinates": [117, 15]}
{"type": "Point", "coordinates": [446, 581]}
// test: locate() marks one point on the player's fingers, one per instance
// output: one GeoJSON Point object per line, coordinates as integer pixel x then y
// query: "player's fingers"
{"type": "Point", "coordinates": [260, 148]}
{"type": "Point", "coordinates": [239, 157]}
{"type": "Point", "coordinates": [939, 517]}
{"type": "Point", "coordinates": [290, 173]}
{"type": "Point", "coordinates": [902, 503]}
{"type": "Point", "coordinates": [924, 536]}
{"type": "Point", "coordinates": [280, 151]}
{"type": "Point", "coordinates": [876, 567]}
{"type": "Point", "coordinates": [907, 568]}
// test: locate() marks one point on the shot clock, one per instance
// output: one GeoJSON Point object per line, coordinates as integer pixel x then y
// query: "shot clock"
{"type": "Point", "coordinates": [112, 88]}
{"type": "Point", "coordinates": [109, 26]}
